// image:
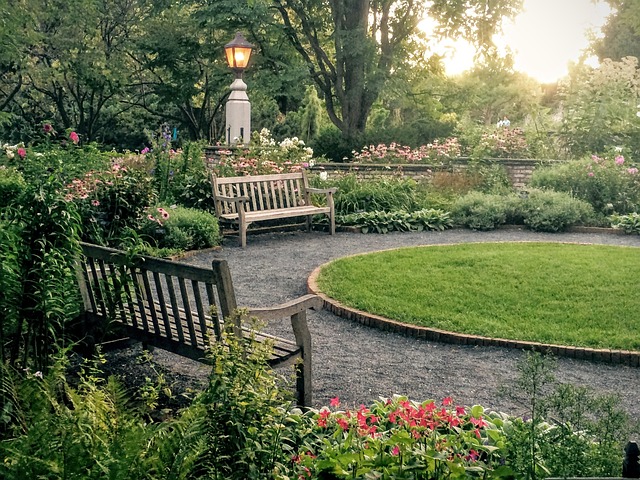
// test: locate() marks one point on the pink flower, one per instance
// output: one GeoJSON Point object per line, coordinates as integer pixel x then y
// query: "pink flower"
{"type": "Point", "coordinates": [590, 174]}
{"type": "Point", "coordinates": [632, 170]}
{"type": "Point", "coordinates": [144, 151]}
{"type": "Point", "coordinates": [22, 152]}
{"type": "Point", "coordinates": [396, 451]}
{"type": "Point", "coordinates": [447, 401]}
{"type": "Point", "coordinates": [334, 402]}
{"type": "Point", "coordinates": [95, 203]}
{"type": "Point", "coordinates": [47, 128]}
{"type": "Point", "coordinates": [619, 160]}
{"type": "Point", "coordinates": [74, 137]}
{"type": "Point", "coordinates": [164, 213]}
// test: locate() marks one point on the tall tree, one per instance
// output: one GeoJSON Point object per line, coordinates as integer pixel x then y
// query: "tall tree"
{"type": "Point", "coordinates": [351, 47]}
{"type": "Point", "coordinates": [621, 32]}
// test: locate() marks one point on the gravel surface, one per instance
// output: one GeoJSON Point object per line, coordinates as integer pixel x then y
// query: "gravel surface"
{"type": "Point", "coordinates": [359, 363]}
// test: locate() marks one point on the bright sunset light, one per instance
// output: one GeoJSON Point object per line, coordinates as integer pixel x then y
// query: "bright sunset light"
{"type": "Point", "coordinates": [544, 38]}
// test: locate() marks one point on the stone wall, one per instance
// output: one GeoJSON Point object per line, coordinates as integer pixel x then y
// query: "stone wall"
{"type": "Point", "coordinates": [518, 170]}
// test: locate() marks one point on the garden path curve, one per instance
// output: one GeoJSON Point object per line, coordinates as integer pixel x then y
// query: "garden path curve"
{"type": "Point", "coordinates": [359, 364]}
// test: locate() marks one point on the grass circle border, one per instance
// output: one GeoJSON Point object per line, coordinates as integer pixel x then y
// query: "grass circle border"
{"type": "Point", "coordinates": [616, 357]}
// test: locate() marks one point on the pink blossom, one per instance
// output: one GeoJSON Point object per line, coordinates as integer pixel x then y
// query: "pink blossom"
{"type": "Point", "coordinates": [74, 137]}
{"type": "Point", "coordinates": [144, 151]}
{"type": "Point", "coordinates": [590, 174]}
{"type": "Point", "coordinates": [619, 160]}
{"type": "Point", "coordinates": [47, 128]}
{"type": "Point", "coordinates": [22, 152]}
{"type": "Point", "coordinates": [632, 170]}
{"type": "Point", "coordinates": [95, 203]}
{"type": "Point", "coordinates": [334, 402]}
{"type": "Point", "coordinates": [396, 451]}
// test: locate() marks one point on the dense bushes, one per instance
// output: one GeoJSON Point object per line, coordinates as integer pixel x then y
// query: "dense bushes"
{"type": "Point", "coordinates": [540, 210]}
{"type": "Point", "coordinates": [609, 185]}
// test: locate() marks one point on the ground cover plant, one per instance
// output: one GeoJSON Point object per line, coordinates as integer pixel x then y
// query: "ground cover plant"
{"type": "Point", "coordinates": [581, 295]}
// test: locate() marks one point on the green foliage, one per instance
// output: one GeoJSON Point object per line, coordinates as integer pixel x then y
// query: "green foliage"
{"type": "Point", "coordinates": [610, 185]}
{"type": "Point", "coordinates": [386, 193]}
{"type": "Point", "coordinates": [401, 221]}
{"type": "Point", "coordinates": [180, 228]}
{"type": "Point", "coordinates": [600, 108]}
{"type": "Point", "coordinates": [48, 227]}
{"type": "Point", "coordinates": [480, 211]}
{"type": "Point", "coordinates": [53, 429]}
{"type": "Point", "coordinates": [400, 439]}
{"type": "Point", "coordinates": [585, 438]}
{"type": "Point", "coordinates": [330, 144]}
{"type": "Point", "coordinates": [12, 185]}
{"type": "Point", "coordinates": [237, 428]}
{"type": "Point", "coordinates": [549, 211]}
{"type": "Point", "coordinates": [629, 223]}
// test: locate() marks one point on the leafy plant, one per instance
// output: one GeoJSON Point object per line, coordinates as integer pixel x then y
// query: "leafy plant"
{"type": "Point", "coordinates": [180, 228]}
{"type": "Point", "coordinates": [12, 184]}
{"type": "Point", "coordinates": [629, 223]}
{"type": "Point", "coordinates": [398, 438]}
{"type": "Point", "coordinates": [384, 222]}
{"type": "Point", "coordinates": [480, 211]}
{"type": "Point", "coordinates": [549, 211]}
{"type": "Point", "coordinates": [610, 185]}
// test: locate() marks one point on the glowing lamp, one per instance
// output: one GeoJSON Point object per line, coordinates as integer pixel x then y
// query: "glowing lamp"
{"type": "Point", "coordinates": [238, 53]}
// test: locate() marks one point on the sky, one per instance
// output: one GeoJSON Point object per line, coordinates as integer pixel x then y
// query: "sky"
{"type": "Point", "coordinates": [545, 37]}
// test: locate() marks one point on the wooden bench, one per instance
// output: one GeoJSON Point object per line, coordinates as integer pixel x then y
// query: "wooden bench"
{"type": "Point", "coordinates": [182, 308]}
{"type": "Point", "coordinates": [244, 200]}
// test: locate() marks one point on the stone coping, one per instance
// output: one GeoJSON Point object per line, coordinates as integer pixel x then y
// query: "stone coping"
{"type": "Point", "coordinates": [620, 357]}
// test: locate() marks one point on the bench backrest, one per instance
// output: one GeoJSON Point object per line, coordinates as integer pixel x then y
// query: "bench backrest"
{"type": "Point", "coordinates": [157, 300]}
{"type": "Point", "coordinates": [264, 192]}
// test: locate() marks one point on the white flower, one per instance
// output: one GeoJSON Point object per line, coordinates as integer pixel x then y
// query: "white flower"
{"type": "Point", "coordinates": [38, 374]}
{"type": "Point", "coordinates": [323, 176]}
{"type": "Point", "coordinates": [10, 154]}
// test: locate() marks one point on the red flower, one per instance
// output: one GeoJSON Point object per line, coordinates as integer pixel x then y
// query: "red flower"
{"type": "Point", "coordinates": [22, 152]}
{"type": "Point", "coordinates": [447, 401]}
{"type": "Point", "coordinates": [74, 137]}
{"type": "Point", "coordinates": [334, 402]}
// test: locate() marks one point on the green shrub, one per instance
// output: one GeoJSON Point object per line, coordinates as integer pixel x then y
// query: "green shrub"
{"type": "Point", "coordinates": [549, 211]}
{"type": "Point", "coordinates": [401, 221]}
{"type": "Point", "coordinates": [480, 211]}
{"type": "Point", "coordinates": [12, 185]}
{"type": "Point", "coordinates": [180, 228]}
{"type": "Point", "coordinates": [629, 223]}
{"type": "Point", "coordinates": [369, 195]}
{"type": "Point", "coordinates": [609, 185]}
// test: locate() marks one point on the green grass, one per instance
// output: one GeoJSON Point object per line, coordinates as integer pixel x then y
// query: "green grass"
{"type": "Point", "coordinates": [581, 295]}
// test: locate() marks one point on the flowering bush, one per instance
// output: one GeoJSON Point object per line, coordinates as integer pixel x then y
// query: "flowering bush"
{"type": "Point", "coordinates": [610, 184]}
{"type": "Point", "coordinates": [394, 153]}
{"type": "Point", "coordinates": [110, 201]}
{"type": "Point", "coordinates": [398, 438]}
{"type": "Point", "coordinates": [265, 156]}
{"type": "Point", "coordinates": [502, 143]}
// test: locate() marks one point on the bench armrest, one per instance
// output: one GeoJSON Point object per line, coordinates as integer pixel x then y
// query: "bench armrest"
{"type": "Point", "coordinates": [297, 311]}
{"type": "Point", "coordinates": [330, 191]}
{"type": "Point", "coordinates": [287, 309]}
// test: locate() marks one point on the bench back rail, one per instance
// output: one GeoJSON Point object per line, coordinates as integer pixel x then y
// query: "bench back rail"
{"type": "Point", "coordinates": [266, 192]}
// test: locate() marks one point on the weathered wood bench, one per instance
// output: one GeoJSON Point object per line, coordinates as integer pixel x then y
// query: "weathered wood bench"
{"type": "Point", "coordinates": [182, 308]}
{"type": "Point", "coordinates": [244, 200]}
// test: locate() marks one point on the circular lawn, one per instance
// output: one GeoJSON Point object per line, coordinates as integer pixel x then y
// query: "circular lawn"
{"type": "Point", "coordinates": [567, 294]}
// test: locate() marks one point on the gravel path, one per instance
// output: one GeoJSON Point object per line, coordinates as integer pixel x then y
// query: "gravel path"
{"type": "Point", "coordinates": [359, 364]}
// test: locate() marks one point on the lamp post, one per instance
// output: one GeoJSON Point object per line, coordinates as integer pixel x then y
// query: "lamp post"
{"type": "Point", "coordinates": [238, 108]}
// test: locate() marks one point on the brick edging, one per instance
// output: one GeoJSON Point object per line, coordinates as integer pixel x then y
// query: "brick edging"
{"type": "Point", "coordinates": [619, 357]}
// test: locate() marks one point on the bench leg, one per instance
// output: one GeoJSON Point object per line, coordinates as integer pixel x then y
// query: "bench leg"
{"type": "Point", "coordinates": [332, 223]}
{"type": "Point", "coordinates": [303, 382]}
{"type": "Point", "coordinates": [308, 223]}
{"type": "Point", "coordinates": [243, 235]}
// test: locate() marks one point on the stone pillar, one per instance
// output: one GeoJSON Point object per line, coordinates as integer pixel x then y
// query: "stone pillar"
{"type": "Point", "coordinates": [238, 115]}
